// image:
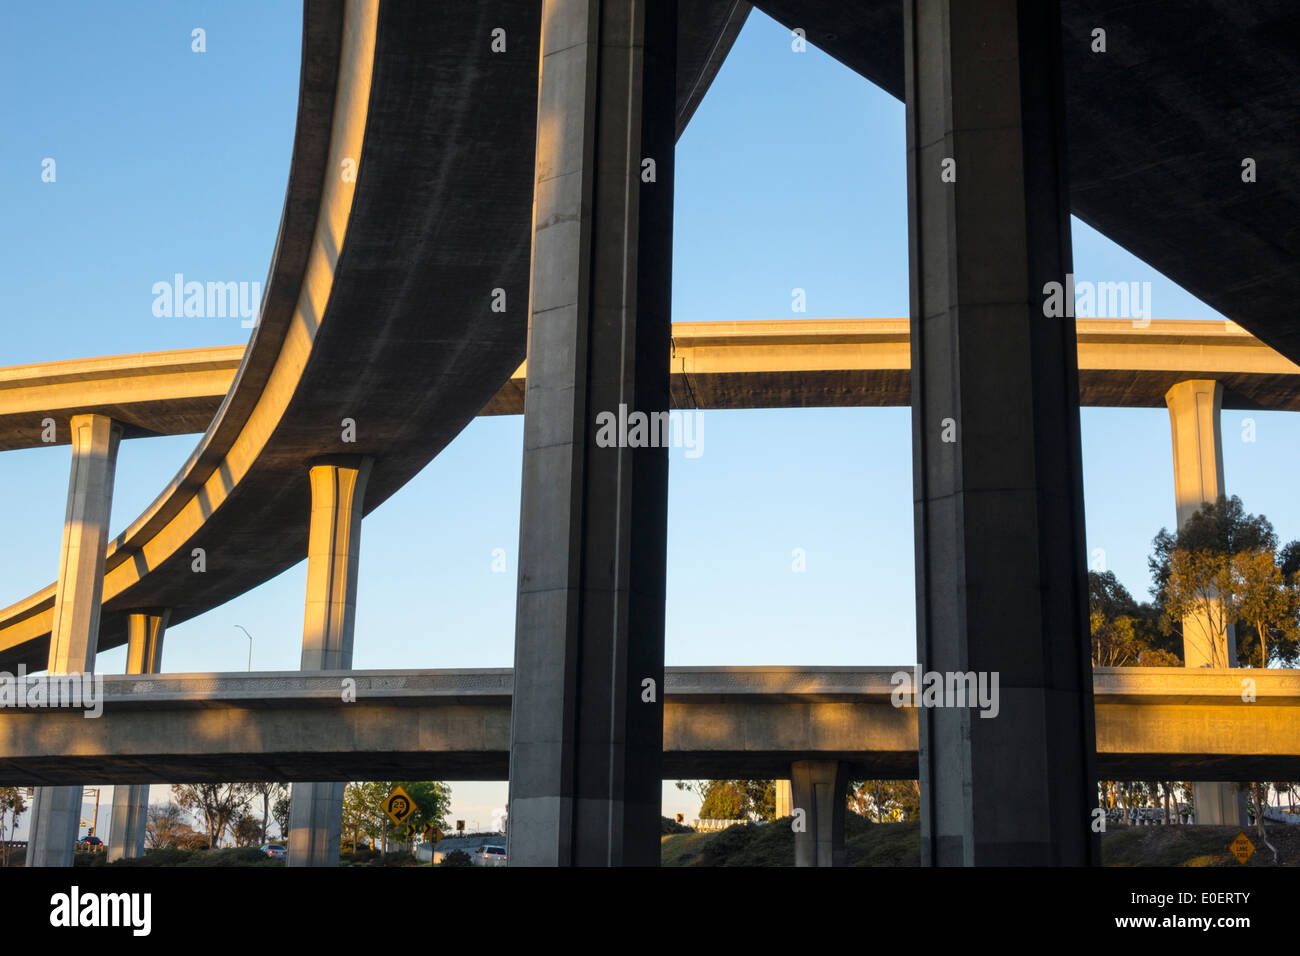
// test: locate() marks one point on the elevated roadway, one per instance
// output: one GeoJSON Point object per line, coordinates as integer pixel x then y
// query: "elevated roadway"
{"type": "Point", "coordinates": [785, 363]}
{"type": "Point", "coordinates": [801, 363]}
{"type": "Point", "coordinates": [1158, 127]}
{"type": "Point", "coordinates": [382, 331]}
{"type": "Point", "coordinates": [378, 303]}
{"type": "Point", "coordinates": [378, 309]}
{"type": "Point", "coordinates": [719, 722]}
{"type": "Point", "coordinates": [763, 364]}
{"type": "Point", "coordinates": [152, 393]}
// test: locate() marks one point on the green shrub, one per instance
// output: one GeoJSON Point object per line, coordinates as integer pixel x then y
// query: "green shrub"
{"type": "Point", "coordinates": [234, 856]}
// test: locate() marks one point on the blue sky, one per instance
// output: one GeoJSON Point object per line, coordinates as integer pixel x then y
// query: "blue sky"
{"type": "Point", "coordinates": [791, 175]}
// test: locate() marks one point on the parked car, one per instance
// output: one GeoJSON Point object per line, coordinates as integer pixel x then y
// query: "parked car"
{"type": "Point", "coordinates": [488, 855]}
{"type": "Point", "coordinates": [275, 851]}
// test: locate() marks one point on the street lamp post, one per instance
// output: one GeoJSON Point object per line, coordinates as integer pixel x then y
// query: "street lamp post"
{"type": "Point", "coordinates": [250, 644]}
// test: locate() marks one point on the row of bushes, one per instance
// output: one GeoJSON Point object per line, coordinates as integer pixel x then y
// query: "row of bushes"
{"type": "Point", "coordinates": [232, 856]}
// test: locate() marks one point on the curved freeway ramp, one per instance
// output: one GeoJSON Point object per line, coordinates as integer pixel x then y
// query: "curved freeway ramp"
{"type": "Point", "coordinates": [378, 306]}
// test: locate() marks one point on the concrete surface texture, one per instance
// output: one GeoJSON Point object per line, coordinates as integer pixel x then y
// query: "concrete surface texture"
{"type": "Point", "coordinates": [56, 813]}
{"type": "Point", "coordinates": [1194, 419]}
{"type": "Point", "coordinates": [1001, 580]}
{"type": "Point", "coordinates": [585, 777]}
{"type": "Point", "coordinates": [338, 490]}
{"type": "Point", "coordinates": [130, 811]}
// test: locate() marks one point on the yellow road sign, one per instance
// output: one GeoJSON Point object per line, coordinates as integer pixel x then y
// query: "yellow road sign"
{"type": "Point", "coordinates": [1242, 848]}
{"type": "Point", "coordinates": [398, 806]}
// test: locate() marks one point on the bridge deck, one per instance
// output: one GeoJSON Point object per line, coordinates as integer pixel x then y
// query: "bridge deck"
{"type": "Point", "coordinates": [742, 722]}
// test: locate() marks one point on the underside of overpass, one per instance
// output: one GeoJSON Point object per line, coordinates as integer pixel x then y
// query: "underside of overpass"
{"type": "Point", "coordinates": [719, 723]}
{"type": "Point", "coordinates": [1158, 126]}
{"type": "Point", "coordinates": [378, 342]}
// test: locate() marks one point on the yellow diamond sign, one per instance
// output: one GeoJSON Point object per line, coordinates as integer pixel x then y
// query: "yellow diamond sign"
{"type": "Point", "coordinates": [398, 806]}
{"type": "Point", "coordinates": [1242, 848]}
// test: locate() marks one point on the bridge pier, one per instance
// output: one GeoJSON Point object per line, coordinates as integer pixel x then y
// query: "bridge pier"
{"type": "Point", "coordinates": [1000, 564]}
{"type": "Point", "coordinates": [1195, 409]}
{"type": "Point", "coordinates": [338, 488]}
{"type": "Point", "coordinates": [784, 799]}
{"type": "Point", "coordinates": [820, 789]}
{"type": "Point", "coordinates": [130, 815]}
{"type": "Point", "coordinates": [587, 721]}
{"type": "Point", "coordinates": [56, 811]}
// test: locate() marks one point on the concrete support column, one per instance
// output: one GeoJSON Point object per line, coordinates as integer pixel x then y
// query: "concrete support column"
{"type": "Point", "coordinates": [784, 799]}
{"type": "Point", "coordinates": [75, 632]}
{"type": "Point", "coordinates": [1000, 554]}
{"type": "Point", "coordinates": [56, 811]}
{"type": "Point", "coordinates": [338, 488]}
{"type": "Point", "coordinates": [819, 788]}
{"type": "Point", "coordinates": [1195, 407]}
{"type": "Point", "coordinates": [587, 720]}
{"type": "Point", "coordinates": [126, 831]}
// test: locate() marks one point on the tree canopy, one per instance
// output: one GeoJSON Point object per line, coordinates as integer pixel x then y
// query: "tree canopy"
{"type": "Point", "coordinates": [1224, 568]}
{"type": "Point", "coordinates": [1124, 632]}
{"type": "Point", "coordinates": [364, 817]}
{"type": "Point", "coordinates": [734, 799]}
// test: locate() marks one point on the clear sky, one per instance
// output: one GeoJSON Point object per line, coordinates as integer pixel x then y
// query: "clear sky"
{"type": "Point", "coordinates": [791, 175]}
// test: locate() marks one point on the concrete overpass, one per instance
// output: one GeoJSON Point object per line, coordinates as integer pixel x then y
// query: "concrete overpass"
{"type": "Point", "coordinates": [1157, 723]}
{"type": "Point", "coordinates": [818, 727]}
{"type": "Point", "coordinates": [153, 393]}
{"type": "Point", "coordinates": [786, 363]}
{"type": "Point", "coordinates": [353, 382]}
{"type": "Point", "coordinates": [1157, 128]}
{"type": "Point", "coordinates": [806, 363]}
{"type": "Point", "coordinates": [409, 378]}
{"type": "Point", "coordinates": [394, 308]}
{"type": "Point", "coordinates": [762, 364]}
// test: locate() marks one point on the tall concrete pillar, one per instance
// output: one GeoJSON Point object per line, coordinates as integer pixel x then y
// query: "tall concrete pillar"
{"type": "Point", "coordinates": [1195, 407]}
{"type": "Point", "coordinates": [338, 488]}
{"type": "Point", "coordinates": [1000, 562]}
{"type": "Point", "coordinates": [784, 799]}
{"type": "Point", "coordinates": [56, 811]}
{"type": "Point", "coordinates": [145, 631]}
{"type": "Point", "coordinates": [819, 788]}
{"type": "Point", "coordinates": [587, 722]}
{"type": "Point", "coordinates": [75, 631]}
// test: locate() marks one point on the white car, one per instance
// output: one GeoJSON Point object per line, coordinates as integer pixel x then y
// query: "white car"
{"type": "Point", "coordinates": [488, 855]}
{"type": "Point", "coordinates": [275, 851]}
